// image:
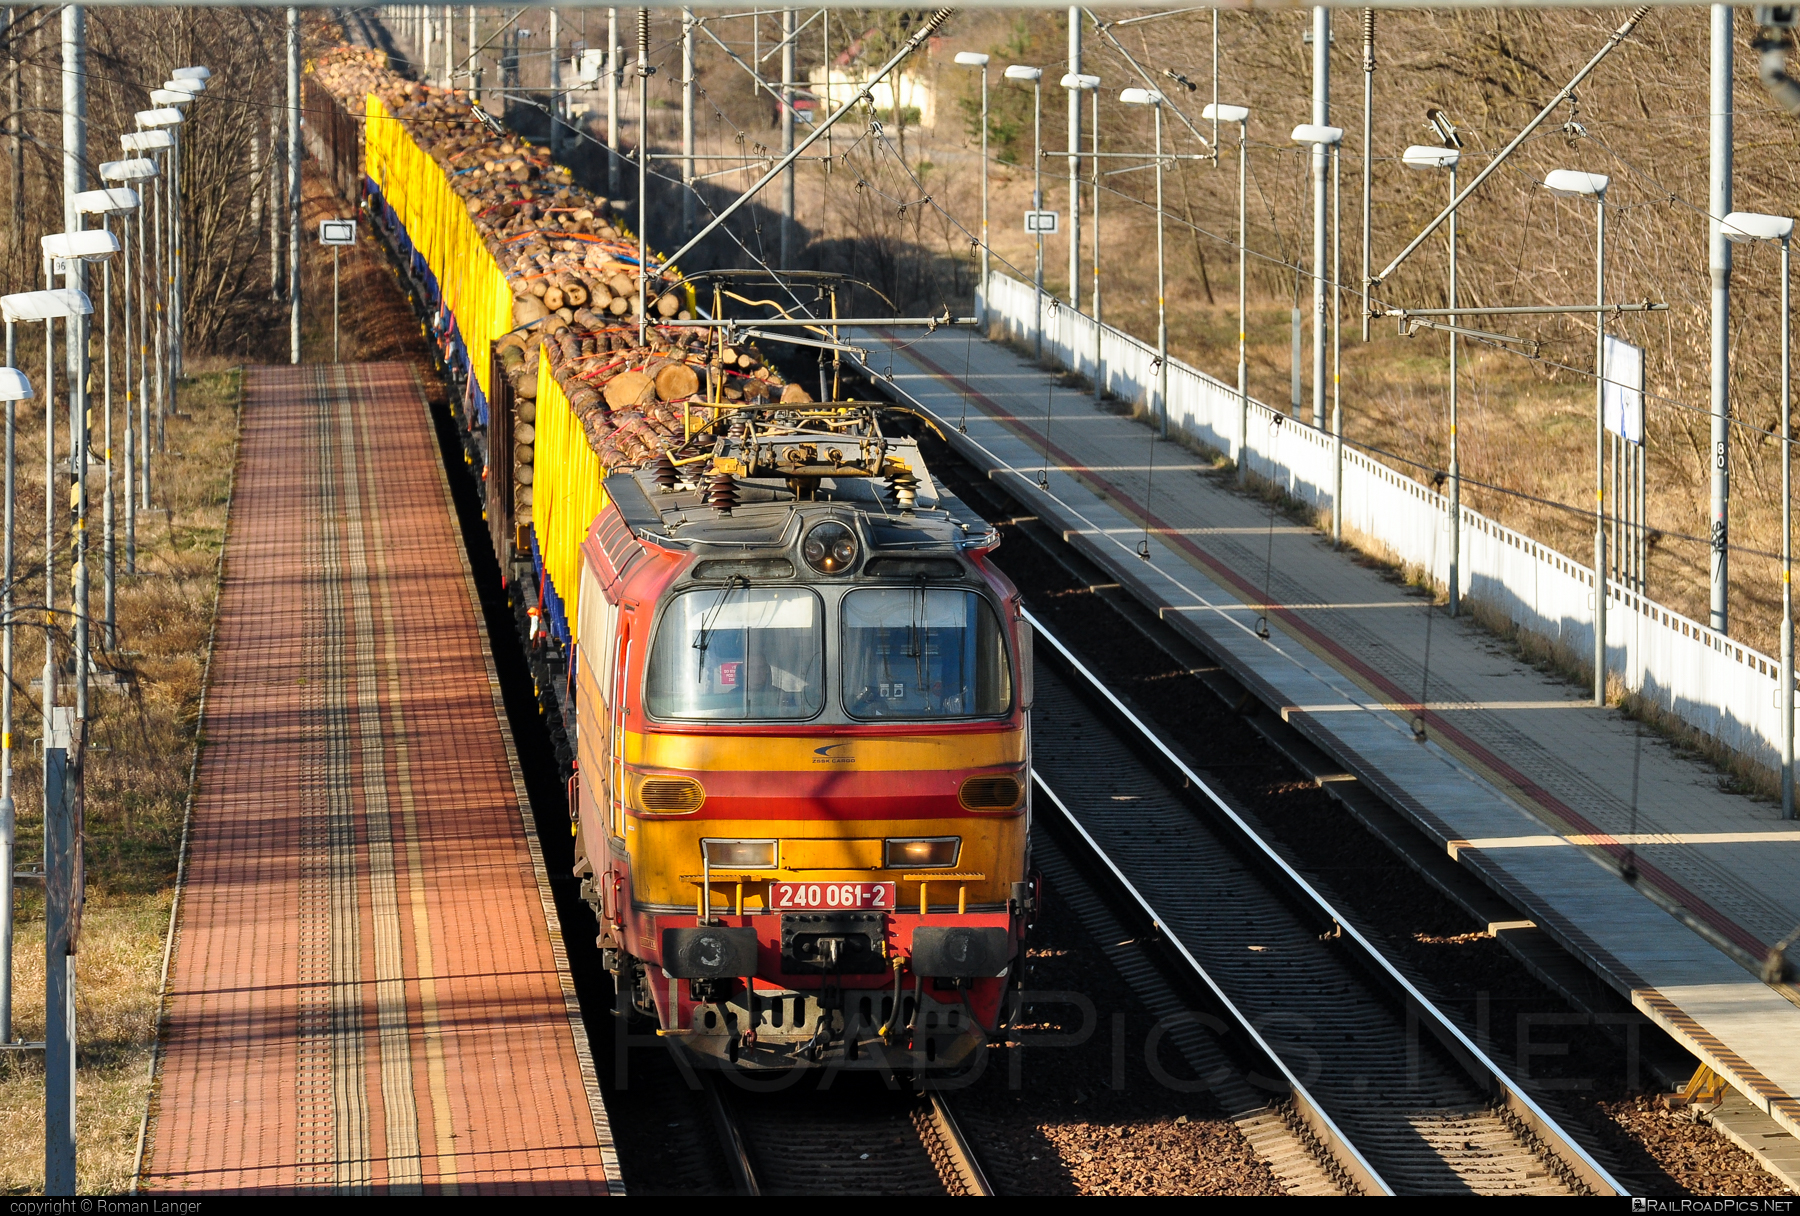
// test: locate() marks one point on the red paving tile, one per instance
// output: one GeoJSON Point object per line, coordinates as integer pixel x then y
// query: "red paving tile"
{"type": "Point", "coordinates": [368, 991]}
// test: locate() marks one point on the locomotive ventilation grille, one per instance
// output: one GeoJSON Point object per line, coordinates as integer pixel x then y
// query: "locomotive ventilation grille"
{"type": "Point", "coordinates": [671, 795]}
{"type": "Point", "coordinates": [990, 793]}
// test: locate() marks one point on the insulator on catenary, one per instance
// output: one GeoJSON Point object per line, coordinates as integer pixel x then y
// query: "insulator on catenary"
{"type": "Point", "coordinates": [666, 477]}
{"type": "Point", "coordinates": [722, 494]}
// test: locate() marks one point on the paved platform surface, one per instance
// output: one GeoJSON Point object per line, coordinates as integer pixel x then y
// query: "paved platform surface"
{"type": "Point", "coordinates": [368, 993]}
{"type": "Point", "coordinates": [1519, 778]}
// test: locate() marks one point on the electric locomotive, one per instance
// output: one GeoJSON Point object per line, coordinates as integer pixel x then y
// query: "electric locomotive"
{"type": "Point", "coordinates": [803, 790]}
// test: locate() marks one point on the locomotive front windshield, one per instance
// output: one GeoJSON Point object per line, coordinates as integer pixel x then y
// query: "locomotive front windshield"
{"type": "Point", "coordinates": [738, 652]}
{"type": "Point", "coordinates": [923, 653]}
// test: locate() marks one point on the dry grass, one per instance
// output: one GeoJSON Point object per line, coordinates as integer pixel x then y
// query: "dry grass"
{"type": "Point", "coordinates": [141, 749]}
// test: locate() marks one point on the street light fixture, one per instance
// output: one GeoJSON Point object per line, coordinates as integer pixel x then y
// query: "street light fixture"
{"type": "Point", "coordinates": [1430, 156]}
{"type": "Point", "coordinates": [169, 239]}
{"type": "Point", "coordinates": [1154, 99]}
{"type": "Point", "coordinates": [1741, 227]}
{"type": "Point", "coordinates": [120, 201]}
{"type": "Point", "coordinates": [1241, 116]}
{"type": "Point", "coordinates": [1036, 77]}
{"type": "Point", "coordinates": [1576, 183]}
{"type": "Point", "coordinates": [140, 171]}
{"type": "Point", "coordinates": [1076, 83]}
{"type": "Point", "coordinates": [64, 249]}
{"type": "Point", "coordinates": [61, 842]}
{"type": "Point", "coordinates": [150, 337]}
{"type": "Point", "coordinates": [1319, 136]}
{"type": "Point", "coordinates": [975, 59]}
{"type": "Point", "coordinates": [14, 388]}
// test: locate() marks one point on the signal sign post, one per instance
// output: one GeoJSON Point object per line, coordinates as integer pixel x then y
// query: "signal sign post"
{"type": "Point", "coordinates": [1041, 223]}
{"type": "Point", "coordinates": [336, 233]}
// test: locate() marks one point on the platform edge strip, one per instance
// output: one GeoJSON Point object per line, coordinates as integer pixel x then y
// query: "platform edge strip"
{"type": "Point", "coordinates": [590, 1080]}
{"type": "Point", "coordinates": [187, 810]}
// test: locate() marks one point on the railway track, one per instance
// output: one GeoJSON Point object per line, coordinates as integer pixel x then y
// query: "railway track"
{"type": "Point", "coordinates": [863, 1142]}
{"type": "Point", "coordinates": [1382, 1089]}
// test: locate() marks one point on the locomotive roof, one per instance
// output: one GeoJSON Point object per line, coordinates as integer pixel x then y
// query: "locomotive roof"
{"type": "Point", "coordinates": [780, 469]}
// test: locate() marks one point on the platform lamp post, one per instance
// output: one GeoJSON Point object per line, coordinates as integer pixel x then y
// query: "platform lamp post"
{"type": "Point", "coordinates": [1077, 83]}
{"type": "Point", "coordinates": [1154, 99]}
{"type": "Point", "coordinates": [1430, 156]}
{"type": "Point", "coordinates": [1741, 227]}
{"type": "Point", "coordinates": [1241, 116]}
{"type": "Point", "coordinates": [68, 249]}
{"type": "Point", "coordinates": [121, 201]}
{"type": "Point", "coordinates": [1574, 183]}
{"type": "Point", "coordinates": [1019, 71]}
{"type": "Point", "coordinates": [1094, 248]}
{"type": "Point", "coordinates": [173, 93]}
{"type": "Point", "coordinates": [165, 120]}
{"type": "Point", "coordinates": [192, 80]}
{"type": "Point", "coordinates": [1331, 138]}
{"type": "Point", "coordinates": [62, 839]}
{"type": "Point", "coordinates": [137, 171]}
{"type": "Point", "coordinates": [975, 59]}
{"type": "Point", "coordinates": [14, 388]}
{"type": "Point", "coordinates": [149, 268]}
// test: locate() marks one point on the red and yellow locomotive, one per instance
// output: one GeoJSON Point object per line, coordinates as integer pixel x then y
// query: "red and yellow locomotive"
{"type": "Point", "coordinates": [803, 749]}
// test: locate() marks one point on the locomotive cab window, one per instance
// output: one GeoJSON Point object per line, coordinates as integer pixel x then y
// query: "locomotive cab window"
{"type": "Point", "coordinates": [922, 653]}
{"type": "Point", "coordinates": [738, 653]}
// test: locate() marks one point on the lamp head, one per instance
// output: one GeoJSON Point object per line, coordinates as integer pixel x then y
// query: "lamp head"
{"type": "Point", "coordinates": [1225, 113]}
{"type": "Point", "coordinates": [1430, 156]}
{"type": "Point", "coordinates": [159, 118]}
{"type": "Point", "coordinates": [1018, 71]}
{"type": "Point", "coordinates": [1141, 97]}
{"type": "Point", "coordinates": [178, 85]}
{"type": "Point", "coordinates": [57, 305]}
{"type": "Point", "coordinates": [1314, 133]}
{"type": "Point", "coordinates": [87, 245]}
{"type": "Point", "coordinates": [170, 97]}
{"type": "Point", "coordinates": [1080, 81]}
{"type": "Point", "coordinates": [15, 385]}
{"type": "Point", "coordinates": [1576, 183]}
{"type": "Point", "coordinates": [195, 73]}
{"type": "Point", "coordinates": [1744, 226]}
{"type": "Point", "coordinates": [129, 170]}
{"type": "Point", "coordinates": [971, 59]}
{"type": "Point", "coordinates": [146, 141]}
{"type": "Point", "coordinates": [115, 200]}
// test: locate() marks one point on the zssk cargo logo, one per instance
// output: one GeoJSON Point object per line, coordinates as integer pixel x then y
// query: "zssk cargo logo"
{"type": "Point", "coordinates": [824, 755]}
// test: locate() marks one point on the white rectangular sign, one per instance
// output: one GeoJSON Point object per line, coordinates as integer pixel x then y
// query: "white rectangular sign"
{"type": "Point", "coordinates": [1041, 223]}
{"type": "Point", "coordinates": [1622, 394]}
{"type": "Point", "coordinates": [337, 232]}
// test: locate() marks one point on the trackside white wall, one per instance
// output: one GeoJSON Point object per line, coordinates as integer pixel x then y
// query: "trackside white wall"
{"type": "Point", "coordinates": [1710, 682]}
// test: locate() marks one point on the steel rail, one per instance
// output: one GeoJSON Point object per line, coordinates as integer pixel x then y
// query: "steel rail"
{"type": "Point", "coordinates": [1314, 1114]}
{"type": "Point", "coordinates": [1471, 1056]}
{"type": "Point", "coordinates": [731, 1138]}
{"type": "Point", "coordinates": [960, 1156]}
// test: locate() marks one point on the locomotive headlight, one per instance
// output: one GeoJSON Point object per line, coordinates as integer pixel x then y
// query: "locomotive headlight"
{"type": "Point", "coordinates": [829, 548]}
{"type": "Point", "coordinates": [928, 853]}
{"type": "Point", "coordinates": [740, 854]}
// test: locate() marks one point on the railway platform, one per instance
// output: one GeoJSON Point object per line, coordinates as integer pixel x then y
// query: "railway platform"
{"type": "Point", "coordinates": [1517, 776]}
{"type": "Point", "coordinates": [367, 991]}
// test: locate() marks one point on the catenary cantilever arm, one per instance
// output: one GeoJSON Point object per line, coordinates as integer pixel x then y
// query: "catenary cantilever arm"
{"type": "Point", "coordinates": [1619, 35]}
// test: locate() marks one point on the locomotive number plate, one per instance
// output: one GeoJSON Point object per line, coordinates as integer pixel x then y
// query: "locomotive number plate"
{"type": "Point", "coordinates": [873, 896]}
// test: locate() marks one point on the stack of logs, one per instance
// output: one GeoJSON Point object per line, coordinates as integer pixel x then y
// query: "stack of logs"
{"type": "Point", "coordinates": [574, 279]}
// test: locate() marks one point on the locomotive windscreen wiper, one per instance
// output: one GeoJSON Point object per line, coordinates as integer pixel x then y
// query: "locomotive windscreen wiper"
{"type": "Point", "coordinates": [703, 639]}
